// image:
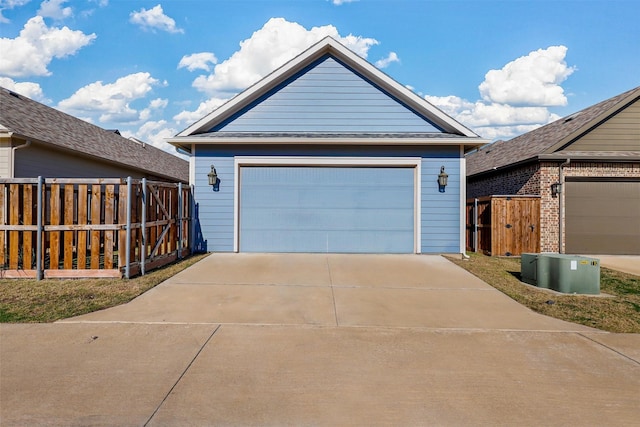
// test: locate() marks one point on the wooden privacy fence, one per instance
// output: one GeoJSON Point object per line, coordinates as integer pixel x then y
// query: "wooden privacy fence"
{"type": "Point", "coordinates": [91, 227]}
{"type": "Point", "coordinates": [503, 225]}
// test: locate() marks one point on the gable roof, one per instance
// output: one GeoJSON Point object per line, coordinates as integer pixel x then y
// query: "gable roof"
{"type": "Point", "coordinates": [548, 142]}
{"type": "Point", "coordinates": [443, 128]}
{"type": "Point", "coordinates": [30, 120]}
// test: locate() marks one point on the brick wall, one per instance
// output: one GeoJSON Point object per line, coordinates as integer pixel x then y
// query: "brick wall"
{"type": "Point", "coordinates": [522, 181]}
{"type": "Point", "coordinates": [537, 180]}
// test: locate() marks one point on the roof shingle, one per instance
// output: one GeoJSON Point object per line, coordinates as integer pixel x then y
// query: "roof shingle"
{"type": "Point", "coordinates": [38, 122]}
{"type": "Point", "coordinates": [540, 141]}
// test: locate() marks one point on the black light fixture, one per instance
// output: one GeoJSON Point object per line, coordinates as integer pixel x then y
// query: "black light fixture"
{"type": "Point", "coordinates": [556, 188]}
{"type": "Point", "coordinates": [213, 179]}
{"type": "Point", "coordinates": [442, 179]}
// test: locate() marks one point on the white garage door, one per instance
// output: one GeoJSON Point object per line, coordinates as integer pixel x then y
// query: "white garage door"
{"type": "Point", "coordinates": [327, 209]}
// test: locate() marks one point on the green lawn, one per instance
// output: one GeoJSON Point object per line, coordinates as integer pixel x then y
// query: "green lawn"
{"type": "Point", "coordinates": [616, 310]}
{"type": "Point", "coordinates": [27, 300]}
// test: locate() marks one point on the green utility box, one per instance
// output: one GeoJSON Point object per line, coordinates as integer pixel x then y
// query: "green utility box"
{"type": "Point", "coordinates": [563, 273]}
{"type": "Point", "coordinates": [535, 269]}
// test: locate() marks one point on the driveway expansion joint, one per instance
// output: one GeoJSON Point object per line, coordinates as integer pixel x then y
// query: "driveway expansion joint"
{"type": "Point", "coordinates": [610, 349]}
{"type": "Point", "coordinates": [182, 375]}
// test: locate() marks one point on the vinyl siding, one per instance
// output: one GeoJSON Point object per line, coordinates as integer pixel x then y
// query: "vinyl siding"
{"type": "Point", "coordinates": [5, 159]}
{"type": "Point", "coordinates": [215, 208]}
{"type": "Point", "coordinates": [327, 97]}
{"type": "Point", "coordinates": [37, 161]}
{"type": "Point", "coordinates": [440, 212]}
{"type": "Point", "coordinates": [619, 133]}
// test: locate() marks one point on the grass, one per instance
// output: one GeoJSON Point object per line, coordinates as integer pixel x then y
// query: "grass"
{"type": "Point", "coordinates": [31, 301]}
{"type": "Point", "coordinates": [618, 311]}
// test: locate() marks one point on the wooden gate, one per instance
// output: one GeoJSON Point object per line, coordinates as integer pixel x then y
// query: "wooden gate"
{"type": "Point", "coordinates": [91, 227]}
{"type": "Point", "coordinates": [503, 225]}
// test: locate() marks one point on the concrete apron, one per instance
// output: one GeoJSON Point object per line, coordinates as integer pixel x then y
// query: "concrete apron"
{"type": "Point", "coordinates": [396, 341]}
{"type": "Point", "coordinates": [329, 290]}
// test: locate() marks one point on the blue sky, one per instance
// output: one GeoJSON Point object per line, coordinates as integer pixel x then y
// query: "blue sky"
{"type": "Point", "coordinates": [151, 68]}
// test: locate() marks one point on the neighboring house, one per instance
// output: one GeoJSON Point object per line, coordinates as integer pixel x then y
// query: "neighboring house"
{"type": "Point", "coordinates": [329, 154]}
{"type": "Point", "coordinates": [37, 140]}
{"type": "Point", "coordinates": [586, 170]}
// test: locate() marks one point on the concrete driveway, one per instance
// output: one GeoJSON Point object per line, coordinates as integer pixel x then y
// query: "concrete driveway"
{"type": "Point", "coordinates": [273, 340]}
{"type": "Point", "coordinates": [329, 290]}
{"type": "Point", "coordinates": [625, 263]}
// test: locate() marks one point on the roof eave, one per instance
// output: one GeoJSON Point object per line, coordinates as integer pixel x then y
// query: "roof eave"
{"type": "Point", "coordinates": [499, 169]}
{"type": "Point", "coordinates": [590, 157]}
{"type": "Point", "coordinates": [469, 143]}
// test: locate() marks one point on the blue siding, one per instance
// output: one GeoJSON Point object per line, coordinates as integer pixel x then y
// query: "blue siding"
{"type": "Point", "coordinates": [440, 212]}
{"type": "Point", "coordinates": [215, 209]}
{"type": "Point", "coordinates": [327, 97]}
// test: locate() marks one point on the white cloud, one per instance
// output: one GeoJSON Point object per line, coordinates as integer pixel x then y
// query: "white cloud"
{"type": "Point", "coordinates": [111, 101]}
{"type": "Point", "coordinates": [516, 98]}
{"type": "Point", "coordinates": [530, 80]}
{"type": "Point", "coordinates": [154, 19]}
{"type": "Point", "coordinates": [155, 133]}
{"type": "Point", "coordinates": [341, 2]}
{"type": "Point", "coordinates": [28, 89]}
{"type": "Point", "coordinates": [385, 62]}
{"type": "Point", "coordinates": [54, 9]}
{"type": "Point", "coordinates": [157, 104]}
{"type": "Point", "coordinates": [8, 5]}
{"type": "Point", "coordinates": [206, 107]}
{"type": "Point", "coordinates": [30, 53]}
{"type": "Point", "coordinates": [275, 43]}
{"type": "Point", "coordinates": [198, 61]}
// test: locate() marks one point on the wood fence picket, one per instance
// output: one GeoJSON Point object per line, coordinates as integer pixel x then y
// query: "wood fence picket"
{"type": "Point", "coordinates": [84, 229]}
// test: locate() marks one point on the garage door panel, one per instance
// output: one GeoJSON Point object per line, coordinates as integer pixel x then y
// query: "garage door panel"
{"type": "Point", "coordinates": [315, 195]}
{"type": "Point", "coordinates": [320, 209]}
{"type": "Point", "coordinates": [330, 219]}
{"type": "Point", "coordinates": [332, 241]}
{"type": "Point", "coordinates": [603, 217]}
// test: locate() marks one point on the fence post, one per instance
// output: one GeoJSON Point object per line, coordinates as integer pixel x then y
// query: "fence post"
{"type": "Point", "coordinates": [39, 252]}
{"type": "Point", "coordinates": [180, 201]}
{"type": "Point", "coordinates": [192, 220]}
{"type": "Point", "coordinates": [475, 225]}
{"type": "Point", "coordinates": [143, 250]}
{"type": "Point", "coordinates": [127, 267]}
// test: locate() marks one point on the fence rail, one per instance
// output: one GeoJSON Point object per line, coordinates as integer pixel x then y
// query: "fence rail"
{"type": "Point", "coordinates": [91, 227]}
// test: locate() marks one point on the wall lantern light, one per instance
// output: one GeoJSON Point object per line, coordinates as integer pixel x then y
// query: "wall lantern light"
{"type": "Point", "coordinates": [213, 179]}
{"type": "Point", "coordinates": [442, 179]}
{"type": "Point", "coordinates": [556, 189]}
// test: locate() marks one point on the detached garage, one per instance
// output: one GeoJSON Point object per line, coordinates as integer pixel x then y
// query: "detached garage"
{"type": "Point", "coordinates": [328, 154]}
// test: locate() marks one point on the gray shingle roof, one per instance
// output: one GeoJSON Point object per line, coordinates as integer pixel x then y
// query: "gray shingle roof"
{"type": "Point", "coordinates": [40, 123]}
{"type": "Point", "coordinates": [542, 141]}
